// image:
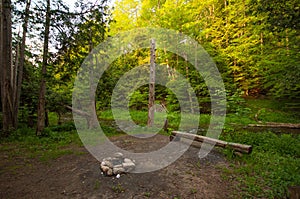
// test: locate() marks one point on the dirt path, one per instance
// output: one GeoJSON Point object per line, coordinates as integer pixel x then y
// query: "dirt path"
{"type": "Point", "coordinates": [78, 176]}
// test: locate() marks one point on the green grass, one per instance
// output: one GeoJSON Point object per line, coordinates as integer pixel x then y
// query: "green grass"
{"type": "Point", "coordinates": [274, 162]}
{"type": "Point", "coordinates": [267, 110]}
{"type": "Point", "coordinates": [55, 142]}
{"type": "Point", "coordinates": [141, 117]}
{"type": "Point", "coordinates": [266, 172]}
{"type": "Point", "coordinates": [53, 118]}
{"type": "Point", "coordinates": [118, 188]}
{"type": "Point", "coordinates": [272, 111]}
{"type": "Point", "coordinates": [23, 142]}
{"type": "Point", "coordinates": [273, 165]}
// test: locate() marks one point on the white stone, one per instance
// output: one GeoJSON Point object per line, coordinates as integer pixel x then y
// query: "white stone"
{"type": "Point", "coordinates": [128, 166]}
{"type": "Point", "coordinates": [131, 164]}
{"type": "Point", "coordinates": [128, 169]}
{"type": "Point", "coordinates": [118, 155]}
{"type": "Point", "coordinates": [109, 172]}
{"type": "Point", "coordinates": [116, 161]}
{"type": "Point", "coordinates": [106, 159]}
{"type": "Point", "coordinates": [107, 163]}
{"type": "Point", "coordinates": [104, 168]}
{"type": "Point", "coordinates": [118, 166]}
{"type": "Point", "coordinates": [118, 170]}
{"type": "Point", "coordinates": [127, 160]}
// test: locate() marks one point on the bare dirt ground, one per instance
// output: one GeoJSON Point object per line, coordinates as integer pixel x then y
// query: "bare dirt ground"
{"type": "Point", "coordinates": [78, 176]}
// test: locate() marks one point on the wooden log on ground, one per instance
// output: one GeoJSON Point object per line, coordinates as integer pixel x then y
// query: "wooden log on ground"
{"type": "Point", "coordinates": [276, 125]}
{"type": "Point", "coordinates": [235, 146]}
{"type": "Point", "coordinates": [294, 192]}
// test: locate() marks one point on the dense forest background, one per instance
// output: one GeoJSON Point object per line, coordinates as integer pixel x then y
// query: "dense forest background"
{"type": "Point", "coordinates": [255, 45]}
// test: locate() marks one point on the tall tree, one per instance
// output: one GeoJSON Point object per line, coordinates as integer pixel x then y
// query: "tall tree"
{"type": "Point", "coordinates": [89, 31]}
{"type": "Point", "coordinates": [19, 65]}
{"type": "Point", "coordinates": [8, 116]}
{"type": "Point", "coordinates": [42, 93]}
{"type": "Point", "coordinates": [151, 85]}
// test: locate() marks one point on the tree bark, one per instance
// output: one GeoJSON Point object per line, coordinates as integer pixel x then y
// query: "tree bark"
{"type": "Point", "coordinates": [42, 95]}
{"type": "Point", "coordinates": [187, 77]}
{"type": "Point", "coordinates": [20, 66]}
{"type": "Point", "coordinates": [92, 120]}
{"type": "Point", "coordinates": [151, 85]}
{"type": "Point", "coordinates": [5, 67]}
{"type": "Point", "coordinates": [226, 23]}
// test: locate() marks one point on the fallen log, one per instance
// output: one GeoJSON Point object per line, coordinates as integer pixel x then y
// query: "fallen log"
{"type": "Point", "coordinates": [235, 146]}
{"type": "Point", "coordinates": [77, 111]}
{"type": "Point", "coordinates": [276, 125]}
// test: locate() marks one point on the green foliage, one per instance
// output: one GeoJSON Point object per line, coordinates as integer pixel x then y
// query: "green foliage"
{"type": "Point", "coordinates": [147, 194]}
{"type": "Point", "coordinates": [254, 44]}
{"type": "Point", "coordinates": [138, 100]}
{"type": "Point", "coordinates": [266, 115]}
{"type": "Point", "coordinates": [50, 146]}
{"type": "Point", "coordinates": [233, 118]}
{"type": "Point", "coordinates": [109, 131]}
{"type": "Point", "coordinates": [272, 166]}
{"type": "Point", "coordinates": [236, 104]}
{"type": "Point", "coordinates": [118, 188]}
{"type": "Point", "coordinates": [63, 127]}
{"type": "Point", "coordinates": [174, 118]}
{"type": "Point", "coordinates": [270, 110]}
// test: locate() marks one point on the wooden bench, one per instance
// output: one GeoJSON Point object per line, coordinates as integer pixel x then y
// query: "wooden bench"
{"type": "Point", "coordinates": [242, 148]}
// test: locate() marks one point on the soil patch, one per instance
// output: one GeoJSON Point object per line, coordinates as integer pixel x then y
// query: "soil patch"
{"type": "Point", "coordinates": [78, 175]}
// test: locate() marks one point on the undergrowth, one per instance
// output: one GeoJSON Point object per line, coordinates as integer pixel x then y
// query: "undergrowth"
{"type": "Point", "coordinates": [51, 145]}
{"type": "Point", "coordinates": [271, 168]}
{"type": "Point", "coordinates": [247, 113]}
{"type": "Point", "coordinates": [267, 172]}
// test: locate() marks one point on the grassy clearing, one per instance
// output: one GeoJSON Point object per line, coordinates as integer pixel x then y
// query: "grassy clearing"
{"type": "Point", "coordinates": [272, 111]}
{"type": "Point", "coordinates": [274, 163]}
{"type": "Point", "coordinates": [267, 111]}
{"type": "Point", "coordinates": [25, 143]}
{"type": "Point", "coordinates": [174, 118]}
{"type": "Point", "coordinates": [270, 168]}
{"type": "Point", "coordinates": [56, 141]}
{"type": "Point", "coordinates": [266, 172]}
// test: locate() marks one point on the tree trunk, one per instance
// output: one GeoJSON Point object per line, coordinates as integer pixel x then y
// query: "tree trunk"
{"type": "Point", "coordinates": [42, 96]}
{"type": "Point", "coordinates": [226, 23]}
{"type": "Point", "coordinates": [5, 67]}
{"type": "Point", "coordinates": [187, 77]}
{"type": "Point", "coordinates": [14, 69]}
{"type": "Point", "coordinates": [151, 85]}
{"type": "Point", "coordinates": [92, 120]}
{"type": "Point", "coordinates": [20, 66]}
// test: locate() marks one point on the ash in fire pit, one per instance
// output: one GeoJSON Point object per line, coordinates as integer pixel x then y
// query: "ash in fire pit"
{"type": "Point", "coordinates": [117, 165]}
